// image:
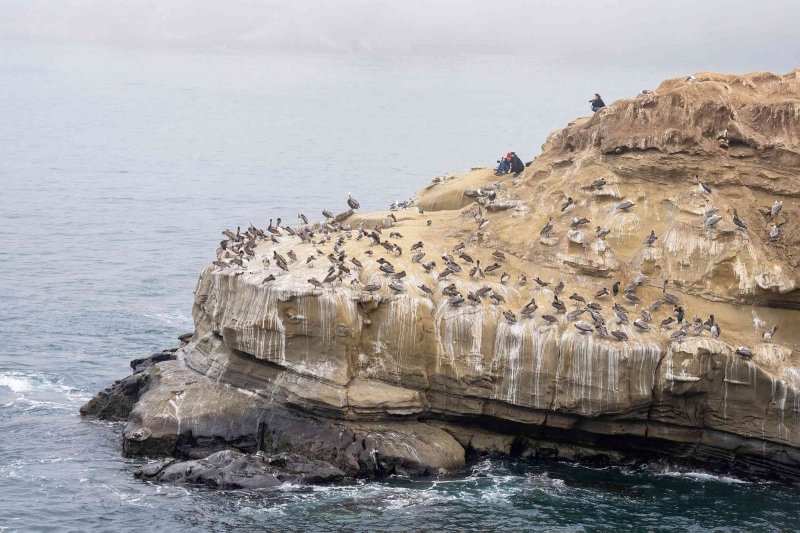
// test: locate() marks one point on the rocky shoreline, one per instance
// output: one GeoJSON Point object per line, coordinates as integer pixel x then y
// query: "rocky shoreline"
{"type": "Point", "coordinates": [329, 350]}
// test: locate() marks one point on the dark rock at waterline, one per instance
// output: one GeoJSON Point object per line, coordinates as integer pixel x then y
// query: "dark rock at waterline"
{"type": "Point", "coordinates": [231, 469]}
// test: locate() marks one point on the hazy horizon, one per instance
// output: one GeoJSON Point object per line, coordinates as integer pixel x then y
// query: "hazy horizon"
{"type": "Point", "coordinates": [715, 35]}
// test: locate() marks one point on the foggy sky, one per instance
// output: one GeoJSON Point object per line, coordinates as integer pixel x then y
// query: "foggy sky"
{"type": "Point", "coordinates": [636, 31]}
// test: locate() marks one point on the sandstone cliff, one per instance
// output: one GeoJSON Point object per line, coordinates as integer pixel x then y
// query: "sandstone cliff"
{"type": "Point", "coordinates": [406, 380]}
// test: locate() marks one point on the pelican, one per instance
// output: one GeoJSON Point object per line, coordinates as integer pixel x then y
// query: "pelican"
{"type": "Point", "coordinates": [397, 287]}
{"type": "Point", "coordinates": [510, 316]}
{"type": "Point", "coordinates": [352, 202]}
{"type": "Point", "coordinates": [302, 218]}
{"type": "Point", "coordinates": [767, 336]}
{"type": "Point", "coordinates": [744, 352]}
{"type": "Point", "coordinates": [558, 288]}
{"type": "Point", "coordinates": [651, 238]}
{"type": "Point", "coordinates": [498, 299]}
{"type": "Point", "coordinates": [776, 208]}
{"type": "Point", "coordinates": [372, 287]}
{"type": "Point", "coordinates": [602, 292]}
{"type": "Point", "coordinates": [473, 298]}
{"type": "Point", "coordinates": [773, 233]}
{"type": "Point", "coordinates": [417, 246]}
{"type": "Point", "coordinates": [705, 189]}
{"type": "Point", "coordinates": [578, 298]}
{"type": "Point", "coordinates": [583, 327]}
{"type": "Point", "coordinates": [327, 214]}
{"type": "Point", "coordinates": [577, 222]}
{"type": "Point", "coordinates": [568, 203]}
{"type": "Point", "coordinates": [504, 278]}
{"type": "Point", "coordinates": [712, 221]}
{"type": "Point", "coordinates": [738, 221]}
{"type": "Point", "coordinates": [619, 335]}
{"type": "Point", "coordinates": [670, 298]}
{"type": "Point", "coordinates": [424, 288]}
{"type": "Point", "coordinates": [497, 254]}
{"type": "Point", "coordinates": [601, 232]}
{"type": "Point", "coordinates": [641, 324]}
{"type": "Point", "coordinates": [315, 282]}
{"type": "Point", "coordinates": [626, 205]}
{"type": "Point", "coordinates": [456, 300]}
{"type": "Point", "coordinates": [711, 211]}
{"type": "Point", "coordinates": [548, 227]}
{"type": "Point", "coordinates": [599, 183]}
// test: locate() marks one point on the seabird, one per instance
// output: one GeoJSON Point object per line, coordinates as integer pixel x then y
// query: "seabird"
{"type": "Point", "coordinates": [352, 202]}
{"type": "Point", "coordinates": [498, 299]}
{"type": "Point", "coordinates": [738, 221]}
{"type": "Point", "coordinates": [599, 183]}
{"type": "Point", "coordinates": [705, 189]}
{"type": "Point", "coordinates": [619, 335]}
{"type": "Point", "coordinates": [459, 246]}
{"type": "Point", "coordinates": [568, 203]}
{"type": "Point", "coordinates": [302, 218]}
{"type": "Point", "coordinates": [327, 214]}
{"type": "Point", "coordinates": [601, 232]}
{"type": "Point", "coordinates": [615, 288]}
{"type": "Point", "coordinates": [356, 262]}
{"type": "Point", "coordinates": [424, 288]}
{"type": "Point", "coordinates": [550, 318]}
{"type": "Point", "coordinates": [712, 221]}
{"type": "Point", "coordinates": [715, 330]}
{"type": "Point", "coordinates": [773, 232]}
{"type": "Point", "coordinates": [541, 283]}
{"type": "Point", "coordinates": [497, 254]}
{"type": "Point", "coordinates": [397, 287]}
{"type": "Point", "coordinates": [667, 322]}
{"type": "Point", "coordinates": [372, 287]}
{"type": "Point", "coordinates": [602, 292]}
{"type": "Point", "coordinates": [417, 257]}
{"type": "Point", "coordinates": [646, 316]}
{"type": "Point", "coordinates": [583, 327]}
{"type": "Point", "coordinates": [776, 208]}
{"type": "Point", "coordinates": [269, 278]}
{"type": "Point", "coordinates": [578, 298]}
{"type": "Point", "coordinates": [678, 335]}
{"type": "Point", "coordinates": [594, 305]}
{"type": "Point", "coordinates": [417, 246]}
{"type": "Point", "coordinates": [558, 304]}
{"type": "Point", "coordinates": [631, 297]}
{"type": "Point", "coordinates": [522, 279]}
{"type": "Point", "coordinates": [510, 316]}
{"type": "Point", "coordinates": [505, 277]}
{"type": "Point", "coordinates": [483, 291]}
{"type": "Point", "coordinates": [575, 313]}
{"type": "Point", "coordinates": [456, 300]}
{"type": "Point", "coordinates": [689, 79]}
{"type": "Point", "coordinates": [558, 288]}
{"type": "Point", "coordinates": [641, 324]}
{"type": "Point", "coordinates": [577, 222]}
{"type": "Point", "coordinates": [428, 266]}
{"type": "Point", "coordinates": [711, 211]}
{"type": "Point", "coordinates": [651, 238]}
{"type": "Point", "coordinates": [626, 205]}
{"type": "Point", "coordinates": [473, 298]}
{"type": "Point", "coordinates": [744, 352]}
{"type": "Point", "coordinates": [670, 298]}
{"type": "Point", "coordinates": [767, 336]}
{"type": "Point", "coordinates": [464, 257]}
{"type": "Point", "coordinates": [547, 228]}
{"type": "Point", "coordinates": [491, 268]}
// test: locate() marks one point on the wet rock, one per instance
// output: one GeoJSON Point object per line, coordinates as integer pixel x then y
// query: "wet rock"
{"type": "Point", "coordinates": [231, 469]}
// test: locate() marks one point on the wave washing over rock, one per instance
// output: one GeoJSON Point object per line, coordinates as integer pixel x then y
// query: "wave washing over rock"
{"type": "Point", "coordinates": [471, 354]}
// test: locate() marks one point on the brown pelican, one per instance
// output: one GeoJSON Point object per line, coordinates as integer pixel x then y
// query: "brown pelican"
{"type": "Point", "coordinates": [647, 317]}
{"type": "Point", "coordinates": [626, 205]}
{"type": "Point", "coordinates": [466, 258]}
{"type": "Point", "coordinates": [424, 288]}
{"type": "Point", "coordinates": [352, 202]}
{"type": "Point", "coordinates": [705, 189]}
{"type": "Point", "coordinates": [550, 318]}
{"type": "Point", "coordinates": [372, 287]}
{"type": "Point", "coordinates": [776, 208]}
{"type": "Point", "coordinates": [575, 313]}
{"type": "Point", "coordinates": [522, 279]}
{"type": "Point", "coordinates": [578, 298]}
{"type": "Point", "coordinates": [715, 330]}
{"type": "Point", "coordinates": [315, 282]}
{"type": "Point", "coordinates": [395, 235]}
{"type": "Point", "coordinates": [738, 221]}
{"type": "Point", "coordinates": [711, 211]}
{"type": "Point", "coordinates": [417, 257]}
{"type": "Point", "coordinates": [541, 283]}
{"type": "Point", "coordinates": [583, 327]}
{"type": "Point", "coordinates": [599, 183]}
{"type": "Point", "coordinates": [498, 299]}
{"type": "Point", "coordinates": [712, 221]}
{"type": "Point", "coordinates": [397, 287]}
{"type": "Point", "coordinates": [292, 255]}
{"type": "Point", "coordinates": [773, 232]}
{"type": "Point", "coordinates": [302, 218]}
{"type": "Point", "coordinates": [504, 277]}
{"type": "Point", "coordinates": [473, 298]}
{"type": "Point", "coordinates": [269, 278]}
{"type": "Point", "coordinates": [459, 246]}
{"type": "Point", "coordinates": [602, 292]}
{"type": "Point", "coordinates": [744, 352]}
{"type": "Point", "coordinates": [642, 325]}
{"type": "Point", "coordinates": [491, 268]}
{"type": "Point", "coordinates": [619, 335]}
{"type": "Point", "coordinates": [669, 298]}
{"type": "Point", "coordinates": [558, 304]}
{"type": "Point", "coordinates": [577, 222]}
{"type": "Point", "coordinates": [558, 288]}
{"type": "Point", "coordinates": [594, 305]}
{"type": "Point", "coordinates": [601, 232]}
{"type": "Point", "coordinates": [417, 246]}
{"type": "Point", "coordinates": [483, 291]}
{"type": "Point", "coordinates": [456, 300]}
{"type": "Point", "coordinates": [651, 238]}
{"type": "Point", "coordinates": [547, 228]}
{"type": "Point", "coordinates": [429, 265]}
{"type": "Point", "coordinates": [568, 203]}
{"type": "Point", "coordinates": [667, 322]}
{"type": "Point", "coordinates": [510, 316]}
{"type": "Point", "coordinates": [497, 254]}
{"type": "Point", "coordinates": [327, 214]}
{"type": "Point", "coordinates": [430, 222]}
{"type": "Point", "coordinates": [767, 336]}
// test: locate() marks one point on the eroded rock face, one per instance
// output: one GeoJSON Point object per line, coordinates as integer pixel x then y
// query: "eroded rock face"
{"type": "Point", "coordinates": [403, 381]}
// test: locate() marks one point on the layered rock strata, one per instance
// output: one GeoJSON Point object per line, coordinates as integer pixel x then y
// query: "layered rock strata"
{"type": "Point", "coordinates": [406, 379]}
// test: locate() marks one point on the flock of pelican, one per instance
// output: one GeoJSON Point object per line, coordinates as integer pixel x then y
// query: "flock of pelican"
{"type": "Point", "coordinates": [238, 248]}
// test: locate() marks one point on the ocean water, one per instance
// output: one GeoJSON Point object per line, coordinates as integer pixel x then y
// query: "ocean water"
{"type": "Point", "coordinates": [118, 171]}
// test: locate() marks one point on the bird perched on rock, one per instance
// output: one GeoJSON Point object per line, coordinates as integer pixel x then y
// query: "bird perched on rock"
{"type": "Point", "coordinates": [767, 335]}
{"type": "Point", "coordinates": [397, 286]}
{"type": "Point", "coordinates": [601, 232]}
{"type": "Point", "coordinates": [547, 228]}
{"type": "Point", "coordinates": [456, 300]}
{"type": "Point", "coordinates": [615, 288]}
{"type": "Point", "coordinates": [372, 287]}
{"type": "Point", "coordinates": [424, 288]}
{"type": "Point", "coordinates": [558, 288]}
{"type": "Point", "coordinates": [626, 205]}
{"type": "Point", "coordinates": [642, 325]}
{"type": "Point", "coordinates": [619, 335]}
{"type": "Point", "coordinates": [510, 316]}
{"type": "Point", "coordinates": [497, 298]}
{"type": "Point", "coordinates": [504, 277]}
{"type": "Point", "coordinates": [583, 327]}
{"type": "Point", "coordinates": [327, 214]}
{"type": "Point", "coordinates": [712, 221]}
{"type": "Point", "coordinates": [705, 189]}
{"type": "Point", "coordinates": [541, 283]}
{"type": "Point", "coordinates": [558, 304]}
{"type": "Point", "coordinates": [738, 221]}
{"type": "Point", "coordinates": [670, 298]}
{"type": "Point", "coordinates": [352, 202]}
{"type": "Point", "coordinates": [578, 298]}
{"type": "Point", "coordinates": [744, 352]}
{"type": "Point", "coordinates": [568, 203]}
{"type": "Point", "coordinates": [599, 183]}
{"type": "Point", "coordinates": [773, 232]}
{"type": "Point", "coordinates": [302, 218]}
{"type": "Point", "coordinates": [711, 211]}
{"type": "Point", "coordinates": [497, 254]}
{"type": "Point", "coordinates": [473, 298]}
{"type": "Point", "coordinates": [602, 292]}
{"type": "Point", "coordinates": [776, 208]}
{"type": "Point", "coordinates": [650, 238]}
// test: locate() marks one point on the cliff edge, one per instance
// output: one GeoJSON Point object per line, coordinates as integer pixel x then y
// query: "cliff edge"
{"type": "Point", "coordinates": [517, 340]}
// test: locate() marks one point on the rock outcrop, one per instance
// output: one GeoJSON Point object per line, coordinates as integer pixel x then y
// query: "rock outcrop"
{"type": "Point", "coordinates": [406, 378]}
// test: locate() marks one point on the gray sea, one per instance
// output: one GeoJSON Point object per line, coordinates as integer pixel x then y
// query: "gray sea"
{"type": "Point", "coordinates": [118, 171]}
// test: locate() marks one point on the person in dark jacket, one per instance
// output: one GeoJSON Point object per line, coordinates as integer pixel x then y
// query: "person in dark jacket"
{"type": "Point", "coordinates": [597, 103]}
{"type": "Point", "coordinates": [517, 166]}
